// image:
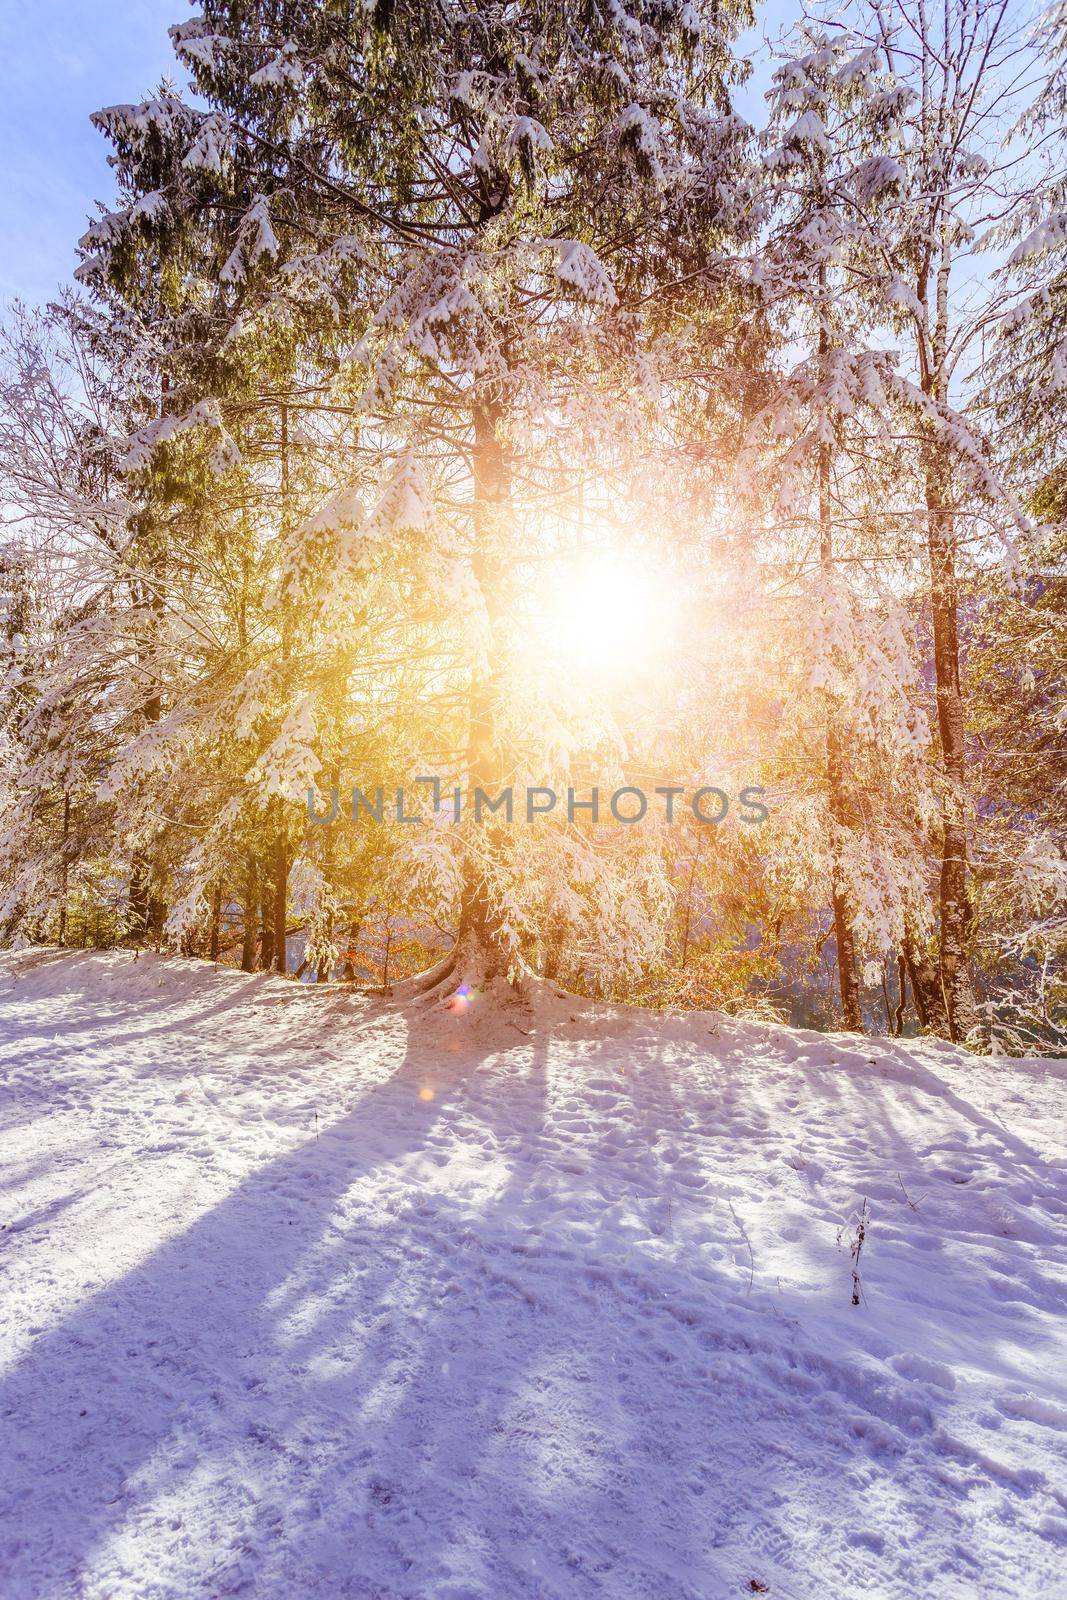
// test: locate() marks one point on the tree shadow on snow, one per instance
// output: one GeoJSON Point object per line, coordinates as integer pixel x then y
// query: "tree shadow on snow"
{"type": "Point", "coordinates": [443, 1350]}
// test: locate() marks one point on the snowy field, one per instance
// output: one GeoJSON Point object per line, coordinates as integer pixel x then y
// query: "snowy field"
{"type": "Point", "coordinates": [306, 1295]}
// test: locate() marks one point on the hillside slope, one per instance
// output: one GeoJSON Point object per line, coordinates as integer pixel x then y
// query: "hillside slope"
{"type": "Point", "coordinates": [308, 1295]}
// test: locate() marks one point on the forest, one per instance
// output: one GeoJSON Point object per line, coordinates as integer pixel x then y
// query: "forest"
{"type": "Point", "coordinates": [622, 401]}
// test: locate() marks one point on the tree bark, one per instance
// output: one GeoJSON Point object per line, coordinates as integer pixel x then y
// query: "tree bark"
{"type": "Point", "coordinates": [216, 918]}
{"type": "Point", "coordinates": [139, 912]}
{"type": "Point", "coordinates": [956, 1015]}
{"type": "Point", "coordinates": [281, 844]}
{"type": "Point", "coordinates": [960, 1008]}
{"type": "Point", "coordinates": [925, 977]}
{"type": "Point", "coordinates": [281, 896]}
{"type": "Point", "coordinates": [322, 975]}
{"type": "Point", "coordinates": [250, 918]}
{"type": "Point", "coordinates": [157, 916]}
{"type": "Point", "coordinates": [266, 917]}
{"type": "Point", "coordinates": [477, 956]}
{"type": "Point", "coordinates": [149, 591]}
{"type": "Point", "coordinates": [837, 798]}
{"type": "Point", "coordinates": [64, 871]}
{"type": "Point", "coordinates": [902, 997]}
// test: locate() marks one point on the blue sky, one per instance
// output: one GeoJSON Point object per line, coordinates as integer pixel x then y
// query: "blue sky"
{"type": "Point", "coordinates": [60, 60]}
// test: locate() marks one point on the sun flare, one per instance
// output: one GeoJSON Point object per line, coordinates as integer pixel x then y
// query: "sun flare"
{"type": "Point", "coordinates": [607, 616]}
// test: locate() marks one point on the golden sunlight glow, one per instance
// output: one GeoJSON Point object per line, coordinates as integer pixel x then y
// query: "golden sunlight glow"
{"type": "Point", "coordinates": [608, 616]}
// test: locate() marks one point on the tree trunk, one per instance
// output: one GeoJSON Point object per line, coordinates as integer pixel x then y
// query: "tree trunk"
{"type": "Point", "coordinates": [955, 1014]}
{"type": "Point", "coordinates": [836, 792]}
{"type": "Point", "coordinates": [157, 916]}
{"type": "Point", "coordinates": [961, 1012]}
{"type": "Point", "coordinates": [216, 918]}
{"type": "Point", "coordinates": [477, 956]}
{"type": "Point", "coordinates": [64, 872]}
{"type": "Point", "coordinates": [902, 997]}
{"type": "Point", "coordinates": [925, 978]}
{"type": "Point", "coordinates": [281, 896]}
{"type": "Point", "coordinates": [139, 913]}
{"type": "Point", "coordinates": [266, 919]}
{"type": "Point", "coordinates": [250, 917]}
{"type": "Point", "coordinates": [322, 975]}
{"type": "Point", "coordinates": [281, 850]}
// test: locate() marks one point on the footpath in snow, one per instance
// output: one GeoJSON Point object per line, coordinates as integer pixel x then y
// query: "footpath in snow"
{"type": "Point", "coordinates": [310, 1295]}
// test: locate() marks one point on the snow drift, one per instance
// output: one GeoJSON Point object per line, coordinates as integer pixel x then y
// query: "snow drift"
{"type": "Point", "coordinates": [311, 1295]}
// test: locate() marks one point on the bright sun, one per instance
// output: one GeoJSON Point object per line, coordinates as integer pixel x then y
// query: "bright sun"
{"type": "Point", "coordinates": [607, 616]}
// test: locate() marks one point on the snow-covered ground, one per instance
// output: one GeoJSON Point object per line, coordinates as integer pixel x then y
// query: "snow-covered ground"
{"type": "Point", "coordinates": [309, 1295]}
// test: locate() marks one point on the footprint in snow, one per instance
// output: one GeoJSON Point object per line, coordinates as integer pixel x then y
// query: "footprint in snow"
{"type": "Point", "coordinates": [922, 1370]}
{"type": "Point", "coordinates": [1032, 1408]}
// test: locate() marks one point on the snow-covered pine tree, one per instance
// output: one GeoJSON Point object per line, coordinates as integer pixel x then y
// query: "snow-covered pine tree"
{"type": "Point", "coordinates": [941, 152]}
{"type": "Point", "coordinates": [223, 474]}
{"type": "Point", "coordinates": [1026, 371]}
{"type": "Point", "coordinates": [512, 180]}
{"type": "Point", "coordinates": [1020, 632]}
{"type": "Point", "coordinates": [829, 114]}
{"type": "Point", "coordinates": [64, 405]}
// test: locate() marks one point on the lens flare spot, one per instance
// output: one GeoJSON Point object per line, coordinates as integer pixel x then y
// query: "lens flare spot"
{"type": "Point", "coordinates": [426, 1093]}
